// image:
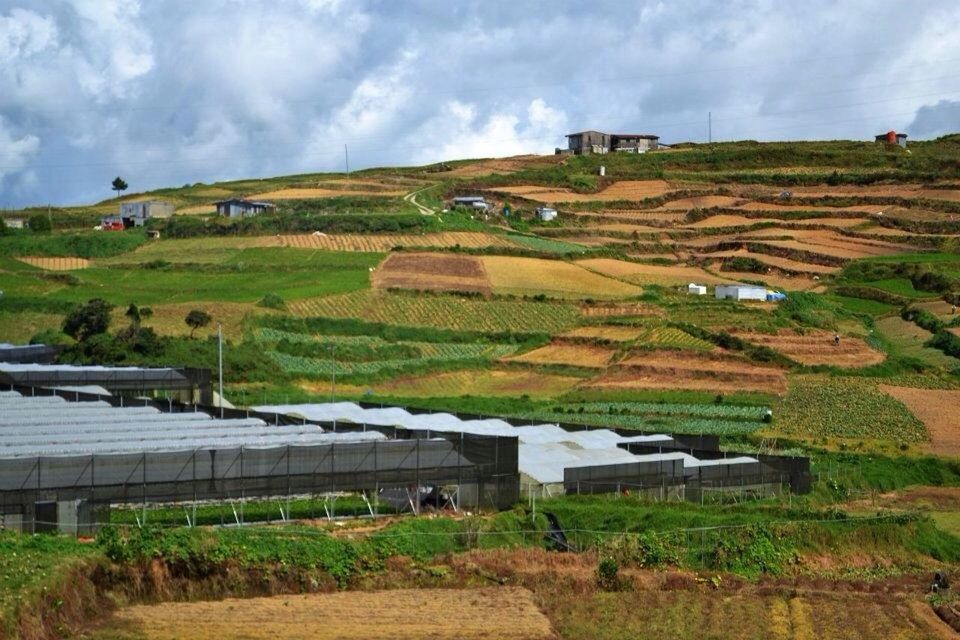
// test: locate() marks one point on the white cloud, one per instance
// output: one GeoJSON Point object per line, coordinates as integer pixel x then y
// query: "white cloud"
{"type": "Point", "coordinates": [15, 152]}
{"type": "Point", "coordinates": [186, 91]}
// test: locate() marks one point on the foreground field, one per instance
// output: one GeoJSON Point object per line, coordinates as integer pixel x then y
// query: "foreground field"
{"type": "Point", "coordinates": [508, 613]}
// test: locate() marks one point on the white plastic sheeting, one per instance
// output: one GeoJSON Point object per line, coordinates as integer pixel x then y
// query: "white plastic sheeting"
{"type": "Point", "coordinates": [545, 449]}
{"type": "Point", "coordinates": [52, 426]}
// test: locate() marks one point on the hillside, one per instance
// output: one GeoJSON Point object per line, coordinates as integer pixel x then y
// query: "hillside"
{"type": "Point", "coordinates": [369, 276]}
{"type": "Point", "coordinates": [365, 287]}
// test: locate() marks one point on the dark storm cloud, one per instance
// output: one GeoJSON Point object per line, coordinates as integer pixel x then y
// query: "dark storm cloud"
{"type": "Point", "coordinates": [173, 91]}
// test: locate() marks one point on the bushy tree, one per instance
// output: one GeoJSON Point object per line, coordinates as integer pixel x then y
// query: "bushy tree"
{"type": "Point", "coordinates": [88, 319]}
{"type": "Point", "coordinates": [118, 185]}
{"type": "Point", "coordinates": [40, 223]}
{"type": "Point", "coordinates": [197, 319]}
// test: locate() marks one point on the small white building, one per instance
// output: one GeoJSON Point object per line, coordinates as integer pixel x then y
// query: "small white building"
{"type": "Point", "coordinates": [15, 223]}
{"type": "Point", "coordinates": [741, 292]}
{"type": "Point", "coordinates": [696, 289]}
{"type": "Point", "coordinates": [471, 202]}
{"type": "Point", "coordinates": [239, 208]}
{"type": "Point", "coordinates": [546, 214]}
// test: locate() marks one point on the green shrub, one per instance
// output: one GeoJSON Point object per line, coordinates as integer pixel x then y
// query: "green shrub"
{"type": "Point", "coordinates": [271, 301]}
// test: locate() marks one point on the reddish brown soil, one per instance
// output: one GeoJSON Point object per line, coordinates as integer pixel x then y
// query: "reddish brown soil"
{"type": "Point", "coordinates": [432, 272]}
{"type": "Point", "coordinates": [816, 347]}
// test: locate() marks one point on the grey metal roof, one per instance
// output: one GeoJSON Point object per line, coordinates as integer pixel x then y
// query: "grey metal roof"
{"type": "Point", "coordinates": [52, 426]}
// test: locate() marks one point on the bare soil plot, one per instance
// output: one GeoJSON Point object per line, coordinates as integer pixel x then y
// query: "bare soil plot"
{"type": "Point", "coordinates": [766, 206]}
{"type": "Point", "coordinates": [849, 251]}
{"type": "Point", "coordinates": [625, 227]}
{"type": "Point", "coordinates": [650, 273]}
{"type": "Point", "coordinates": [786, 264]}
{"type": "Point", "coordinates": [432, 272]}
{"type": "Point", "coordinates": [636, 215]}
{"type": "Point", "coordinates": [386, 242]}
{"type": "Point", "coordinates": [309, 194]}
{"type": "Point", "coordinates": [502, 165]}
{"type": "Point", "coordinates": [880, 191]}
{"type": "Point", "coordinates": [669, 369]}
{"type": "Point", "coordinates": [55, 263]}
{"type": "Point", "coordinates": [622, 190]}
{"type": "Point", "coordinates": [610, 333]}
{"type": "Point", "coordinates": [574, 355]}
{"type": "Point", "coordinates": [511, 382]}
{"type": "Point", "coordinates": [726, 220]}
{"type": "Point", "coordinates": [553, 277]}
{"type": "Point", "coordinates": [506, 612]}
{"type": "Point", "coordinates": [775, 280]}
{"type": "Point", "coordinates": [938, 410]}
{"type": "Point", "coordinates": [816, 347]}
{"type": "Point", "coordinates": [699, 202]}
{"type": "Point", "coordinates": [939, 308]}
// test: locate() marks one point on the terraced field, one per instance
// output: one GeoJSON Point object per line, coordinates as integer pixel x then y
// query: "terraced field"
{"type": "Point", "coordinates": [530, 276]}
{"type": "Point", "coordinates": [442, 311]}
{"type": "Point", "coordinates": [816, 348]}
{"type": "Point", "coordinates": [640, 274]}
{"type": "Point", "coordinates": [432, 353]}
{"type": "Point", "coordinates": [432, 272]}
{"type": "Point", "coordinates": [573, 355]}
{"type": "Point", "coordinates": [690, 370]}
{"type": "Point", "coordinates": [509, 382]}
{"type": "Point", "coordinates": [55, 263]}
{"type": "Point", "coordinates": [501, 612]}
{"type": "Point", "coordinates": [379, 243]}
{"type": "Point", "coordinates": [621, 190]}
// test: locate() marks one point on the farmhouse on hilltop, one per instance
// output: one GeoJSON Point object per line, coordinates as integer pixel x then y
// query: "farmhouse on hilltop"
{"type": "Point", "coordinates": [586, 142]}
{"type": "Point", "coordinates": [136, 214]}
{"type": "Point", "coordinates": [892, 137]}
{"type": "Point", "coordinates": [238, 208]}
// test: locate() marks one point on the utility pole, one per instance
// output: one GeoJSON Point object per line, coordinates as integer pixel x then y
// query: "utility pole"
{"type": "Point", "coordinates": [709, 127]}
{"type": "Point", "coordinates": [346, 159]}
{"type": "Point", "coordinates": [333, 373]}
{"type": "Point", "coordinates": [220, 364]}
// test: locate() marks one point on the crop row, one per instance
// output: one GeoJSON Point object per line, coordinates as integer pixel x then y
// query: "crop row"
{"type": "Point", "coordinates": [663, 424]}
{"type": "Point", "coordinates": [434, 353]}
{"type": "Point", "coordinates": [448, 312]}
{"type": "Point", "coordinates": [726, 411]}
{"type": "Point", "coordinates": [846, 408]}
{"type": "Point", "coordinates": [673, 337]}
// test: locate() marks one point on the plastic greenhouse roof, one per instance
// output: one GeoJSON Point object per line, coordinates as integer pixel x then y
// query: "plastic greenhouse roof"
{"type": "Point", "coordinates": [545, 450]}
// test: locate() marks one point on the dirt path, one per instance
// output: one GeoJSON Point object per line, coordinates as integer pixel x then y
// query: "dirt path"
{"type": "Point", "coordinates": [412, 199]}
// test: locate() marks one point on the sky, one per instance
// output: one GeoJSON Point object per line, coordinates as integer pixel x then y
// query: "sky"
{"type": "Point", "coordinates": [173, 92]}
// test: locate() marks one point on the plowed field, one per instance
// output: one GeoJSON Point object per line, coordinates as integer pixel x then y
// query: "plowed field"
{"type": "Point", "coordinates": [638, 215]}
{"type": "Point", "coordinates": [506, 612]}
{"type": "Point", "coordinates": [623, 190]}
{"type": "Point", "coordinates": [386, 242]}
{"type": "Point", "coordinates": [309, 194]}
{"type": "Point", "coordinates": [609, 333]}
{"type": "Point", "coordinates": [937, 410]}
{"type": "Point", "coordinates": [690, 370]}
{"type": "Point", "coordinates": [717, 222]}
{"type": "Point", "coordinates": [786, 264]}
{"type": "Point", "coordinates": [432, 272]}
{"type": "Point", "coordinates": [553, 277]}
{"type": "Point", "coordinates": [699, 202]}
{"type": "Point", "coordinates": [574, 355]}
{"type": "Point", "coordinates": [56, 263]}
{"type": "Point", "coordinates": [650, 273]}
{"type": "Point", "coordinates": [817, 347]}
